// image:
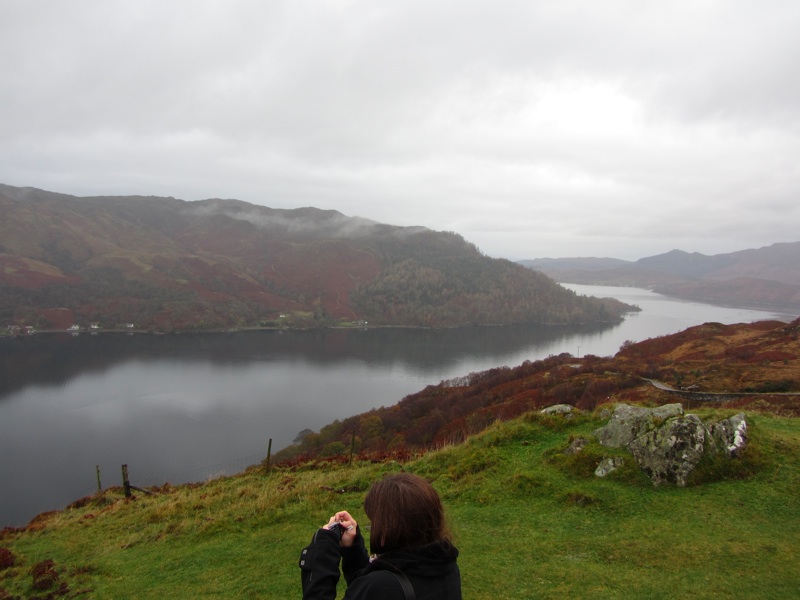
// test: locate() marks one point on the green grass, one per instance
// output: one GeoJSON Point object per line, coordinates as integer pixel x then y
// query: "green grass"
{"type": "Point", "coordinates": [529, 523]}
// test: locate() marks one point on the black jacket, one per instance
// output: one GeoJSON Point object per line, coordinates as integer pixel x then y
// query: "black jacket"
{"type": "Point", "coordinates": [432, 570]}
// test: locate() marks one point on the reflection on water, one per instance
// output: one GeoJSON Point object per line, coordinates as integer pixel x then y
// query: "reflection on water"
{"type": "Point", "coordinates": [173, 406]}
{"type": "Point", "coordinates": [58, 358]}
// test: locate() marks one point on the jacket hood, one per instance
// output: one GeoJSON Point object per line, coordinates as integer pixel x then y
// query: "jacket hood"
{"type": "Point", "coordinates": [431, 560]}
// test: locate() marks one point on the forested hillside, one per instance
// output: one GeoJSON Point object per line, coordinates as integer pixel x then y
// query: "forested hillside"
{"type": "Point", "coordinates": [164, 264]}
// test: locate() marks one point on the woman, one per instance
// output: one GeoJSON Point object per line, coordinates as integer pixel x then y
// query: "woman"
{"type": "Point", "coordinates": [413, 555]}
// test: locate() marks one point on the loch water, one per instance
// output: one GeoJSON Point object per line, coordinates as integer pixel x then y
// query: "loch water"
{"type": "Point", "coordinates": [187, 407]}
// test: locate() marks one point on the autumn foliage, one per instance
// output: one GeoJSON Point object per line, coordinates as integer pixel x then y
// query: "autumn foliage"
{"type": "Point", "coordinates": [760, 358]}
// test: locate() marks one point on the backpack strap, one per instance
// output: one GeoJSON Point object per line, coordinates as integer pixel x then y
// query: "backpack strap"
{"type": "Point", "coordinates": [402, 579]}
{"type": "Point", "coordinates": [408, 589]}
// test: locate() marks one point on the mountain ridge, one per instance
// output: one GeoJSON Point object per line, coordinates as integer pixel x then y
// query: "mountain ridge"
{"type": "Point", "coordinates": [766, 277]}
{"type": "Point", "coordinates": [165, 264]}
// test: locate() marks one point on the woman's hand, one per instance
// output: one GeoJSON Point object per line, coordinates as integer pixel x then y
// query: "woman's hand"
{"type": "Point", "coordinates": [349, 527]}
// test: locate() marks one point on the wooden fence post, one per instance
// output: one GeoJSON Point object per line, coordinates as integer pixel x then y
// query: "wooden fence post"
{"type": "Point", "coordinates": [126, 485]}
{"type": "Point", "coordinates": [352, 448]}
{"type": "Point", "coordinates": [99, 487]}
{"type": "Point", "coordinates": [269, 453]}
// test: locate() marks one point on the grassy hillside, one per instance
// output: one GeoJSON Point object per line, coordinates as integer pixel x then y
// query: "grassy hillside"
{"type": "Point", "coordinates": [528, 522]}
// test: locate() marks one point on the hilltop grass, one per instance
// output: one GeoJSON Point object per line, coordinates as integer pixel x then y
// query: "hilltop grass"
{"type": "Point", "coordinates": [528, 522]}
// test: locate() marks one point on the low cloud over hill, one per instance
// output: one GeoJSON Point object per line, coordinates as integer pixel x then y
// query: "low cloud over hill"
{"type": "Point", "coordinates": [166, 264]}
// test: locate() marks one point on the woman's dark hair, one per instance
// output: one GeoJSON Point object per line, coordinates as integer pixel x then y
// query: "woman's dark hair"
{"type": "Point", "coordinates": [404, 510]}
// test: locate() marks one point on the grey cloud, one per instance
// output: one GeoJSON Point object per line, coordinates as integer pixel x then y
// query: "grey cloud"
{"type": "Point", "coordinates": [524, 126]}
{"type": "Point", "coordinates": [336, 224]}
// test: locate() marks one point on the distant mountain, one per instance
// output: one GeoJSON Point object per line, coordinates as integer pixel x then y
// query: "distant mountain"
{"type": "Point", "coordinates": [166, 264]}
{"type": "Point", "coordinates": [574, 264]}
{"type": "Point", "coordinates": [766, 277]}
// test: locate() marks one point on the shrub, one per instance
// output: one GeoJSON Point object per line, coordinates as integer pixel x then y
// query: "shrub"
{"type": "Point", "coordinates": [578, 498]}
{"type": "Point", "coordinates": [578, 464]}
{"type": "Point", "coordinates": [7, 558]}
{"type": "Point", "coordinates": [333, 449]}
{"type": "Point", "coordinates": [525, 481]}
{"type": "Point", "coordinates": [719, 467]}
{"type": "Point", "coordinates": [44, 575]}
{"type": "Point", "coordinates": [474, 461]}
{"type": "Point", "coordinates": [767, 387]}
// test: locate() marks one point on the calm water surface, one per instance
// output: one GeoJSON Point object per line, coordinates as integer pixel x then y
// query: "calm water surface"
{"type": "Point", "coordinates": [188, 407]}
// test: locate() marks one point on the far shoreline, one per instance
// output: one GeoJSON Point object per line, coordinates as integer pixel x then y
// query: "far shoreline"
{"type": "Point", "coordinates": [103, 331]}
{"type": "Point", "coordinates": [765, 307]}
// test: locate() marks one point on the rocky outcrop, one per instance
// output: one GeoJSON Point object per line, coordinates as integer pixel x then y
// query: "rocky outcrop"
{"type": "Point", "coordinates": [731, 434]}
{"type": "Point", "coordinates": [565, 410]}
{"type": "Point", "coordinates": [576, 446]}
{"type": "Point", "coordinates": [667, 444]}
{"type": "Point", "coordinates": [608, 465]}
{"type": "Point", "coordinates": [670, 452]}
{"type": "Point", "coordinates": [629, 422]}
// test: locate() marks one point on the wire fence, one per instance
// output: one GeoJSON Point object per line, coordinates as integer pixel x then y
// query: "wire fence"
{"type": "Point", "coordinates": [198, 474]}
{"type": "Point", "coordinates": [229, 467]}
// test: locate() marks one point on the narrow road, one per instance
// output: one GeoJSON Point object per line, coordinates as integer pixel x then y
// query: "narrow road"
{"type": "Point", "coordinates": [661, 386]}
{"type": "Point", "coordinates": [713, 396]}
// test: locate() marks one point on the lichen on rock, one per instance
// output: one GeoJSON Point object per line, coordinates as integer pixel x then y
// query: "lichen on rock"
{"type": "Point", "coordinates": [566, 410]}
{"type": "Point", "coordinates": [731, 434]}
{"type": "Point", "coordinates": [608, 465]}
{"type": "Point", "coordinates": [667, 444]}
{"type": "Point", "coordinates": [629, 422]}
{"type": "Point", "coordinates": [671, 451]}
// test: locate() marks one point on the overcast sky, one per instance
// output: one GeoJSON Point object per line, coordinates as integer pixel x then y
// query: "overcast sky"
{"type": "Point", "coordinates": [534, 129]}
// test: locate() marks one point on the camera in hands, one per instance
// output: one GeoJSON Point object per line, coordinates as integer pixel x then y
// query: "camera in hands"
{"type": "Point", "coordinates": [337, 528]}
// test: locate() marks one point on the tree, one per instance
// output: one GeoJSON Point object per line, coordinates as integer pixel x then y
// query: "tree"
{"type": "Point", "coordinates": [302, 436]}
{"type": "Point", "coordinates": [371, 427]}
